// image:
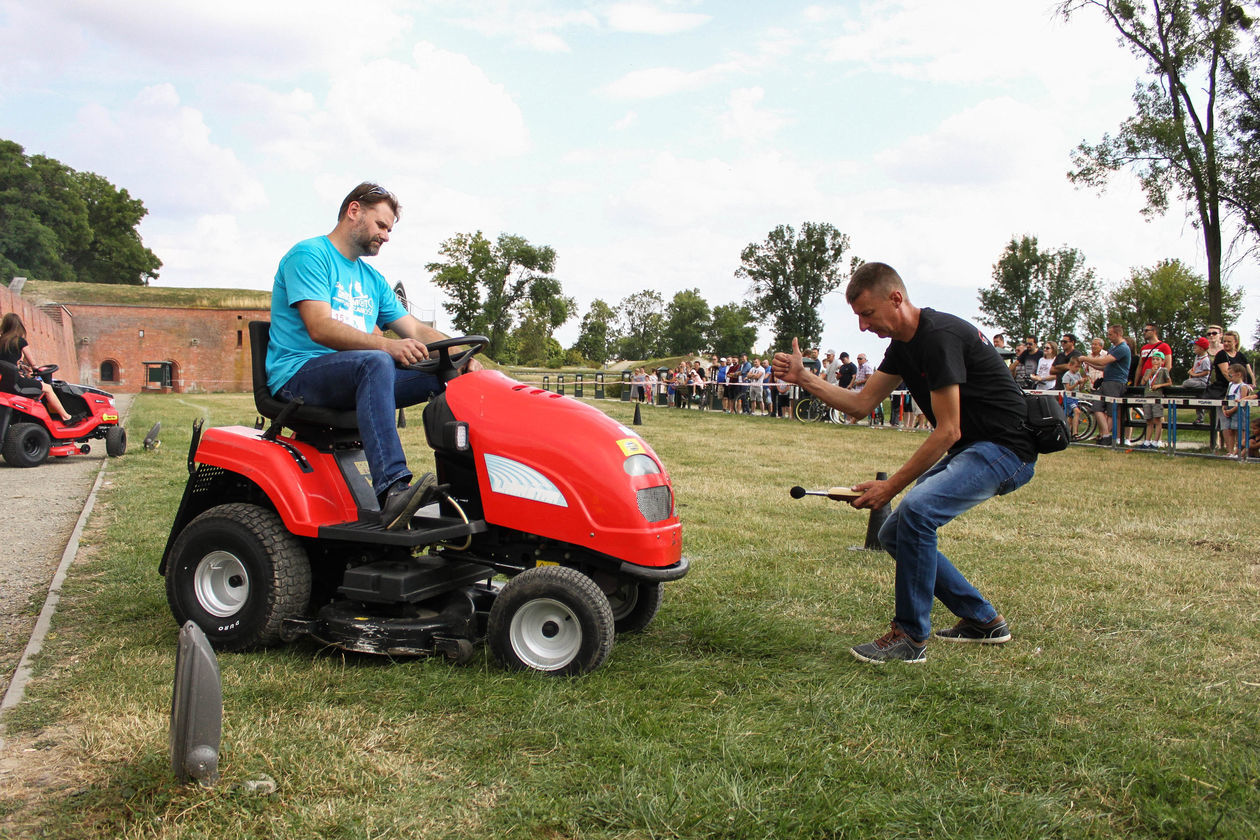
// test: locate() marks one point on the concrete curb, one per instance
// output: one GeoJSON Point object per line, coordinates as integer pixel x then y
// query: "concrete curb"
{"type": "Point", "coordinates": [17, 686]}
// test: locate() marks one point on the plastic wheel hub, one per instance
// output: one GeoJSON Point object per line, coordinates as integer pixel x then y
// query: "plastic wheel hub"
{"type": "Point", "coordinates": [545, 634]}
{"type": "Point", "coordinates": [221, 583]}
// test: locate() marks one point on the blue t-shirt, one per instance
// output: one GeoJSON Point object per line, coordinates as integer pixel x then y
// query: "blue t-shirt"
{"type": "Point", "coordinates": [1117, 371]}
{"type": "Point", "coordinates": [315, 270]}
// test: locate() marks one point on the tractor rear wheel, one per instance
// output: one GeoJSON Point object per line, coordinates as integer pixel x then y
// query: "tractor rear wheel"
{"type": "Point", "coordinates": [26, 445]}
{"type": "Point", "coordinates": [238, 574]}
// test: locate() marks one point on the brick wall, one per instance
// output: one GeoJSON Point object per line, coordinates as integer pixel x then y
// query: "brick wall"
{"type": "Point", "coordinates": [50, 331]}
{"type": "Point", "coordinates": [208, 349]}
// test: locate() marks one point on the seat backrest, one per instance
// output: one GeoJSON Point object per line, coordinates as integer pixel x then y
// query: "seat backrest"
{"type": "Point", "coordinates": [269, 406]}
{"type": "Point", "coordinates": [10, 383]}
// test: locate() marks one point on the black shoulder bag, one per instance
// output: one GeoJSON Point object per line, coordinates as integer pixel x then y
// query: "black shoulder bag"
{"type": "Point", "coordinates": [1047, 423]}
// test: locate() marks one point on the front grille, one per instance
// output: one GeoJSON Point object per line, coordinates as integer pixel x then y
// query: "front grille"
{"type": "Point", "coordinates": [655, 503]}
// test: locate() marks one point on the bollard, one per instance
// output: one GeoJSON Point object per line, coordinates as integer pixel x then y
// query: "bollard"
{"type": "Point", "coordinates": [874, 523]}
{"type": "Point", "coordinates": [638, 417]}
{"type": "Point", "coordinates": [402, 419]}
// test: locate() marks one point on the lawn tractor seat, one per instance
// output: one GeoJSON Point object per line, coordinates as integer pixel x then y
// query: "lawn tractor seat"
{"type": "Point", "coordinates": [10, 382]}
{"type": "Point", "coordinates": [317, 424]}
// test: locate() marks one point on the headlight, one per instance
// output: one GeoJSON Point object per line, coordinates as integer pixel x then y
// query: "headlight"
{"type": "Point", "coordinates": [640, 465]}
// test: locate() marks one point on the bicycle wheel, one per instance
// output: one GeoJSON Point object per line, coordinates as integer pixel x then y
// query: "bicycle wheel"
{"type": "Point", "coordinates": [1086, 425]}
{"type": "Point", "coordinates": [808, 410]}
{"type": "Point", "coordinates": [1137, 414]}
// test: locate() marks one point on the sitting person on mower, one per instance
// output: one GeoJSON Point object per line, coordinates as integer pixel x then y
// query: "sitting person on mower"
{"type": "Point", "coordinates": [326, 304]}
{"type": "Point", "coordinates": [14, 349]}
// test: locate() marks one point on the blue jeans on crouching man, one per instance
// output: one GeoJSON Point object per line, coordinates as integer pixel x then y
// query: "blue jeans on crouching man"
{"type": "Point", "coordinates": [368, 382]}
{"type": "Point", "coordinates": [953, 485]}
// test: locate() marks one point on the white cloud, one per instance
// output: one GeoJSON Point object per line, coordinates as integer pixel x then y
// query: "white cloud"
{"type": "Point", "coordinates": [651, 20]}
{"type": "Point", "coordinates": [527, 23]}
{"type": "Point", "coordinates": [744, 120]}
{"type": "Point", "coordinates": [162, 150]}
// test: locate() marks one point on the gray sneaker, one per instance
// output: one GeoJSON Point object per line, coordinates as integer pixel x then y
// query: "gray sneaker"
{"type": "Point", "coordinates": [994, 632]}
{"type": "Point", "coordinates": [893, 646]}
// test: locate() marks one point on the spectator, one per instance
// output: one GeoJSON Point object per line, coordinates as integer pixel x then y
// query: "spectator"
{"type": "Point", "coordinates": [1230, 355]}
{"type": "Point", "coordinates": [810, 360]}
{"type": "Point", "coordinates": [1025, 364]}
{"type": "Point", "coordinates": [734, 389]}
{"type": "Point", "coordinates": [650, 381]}
{"type": "Point", "coordinates": [719, 377]}
{"type": "Point", "coordinates": [1044, 377]}
{"type": "Point", "coordinates": [1150, 334]}
{"type": "Point", "coordinates": [1074, 381]}
{"type": "Point", "coordinates": [1201, 367]}
{"type": "Point", "coordinates": [1068, 351]}
{"type": "Point", "coordinates": [1234, 433]}
{"type": "Point", "coordinates": [999, 341]}
{"type": "Point", "coordinates": [1155, 380]}
{"type": "Point", "coordinates": [638, 389]}
{"type": "Point", "coordinates": [697, 384]}
{"type": "Point", "coordinates": [1253, 442]}
{"type": "Point", "coordinates": [846, 371]}
{"type": "Point", "coordinates": [756, 403]}
{"type": "Point", "coordinates": [830, 366]}
{"type": "Point", "coordinates": [1093, 374]}
{"type": "Point", "coordinates": [1115, 368]}
{"type": "Point", "coordinates": [864, 371]}
{"type": "Point", "coordinates": [775, 397]}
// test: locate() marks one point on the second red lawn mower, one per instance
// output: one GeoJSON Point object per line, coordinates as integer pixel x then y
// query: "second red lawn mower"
{"type": "Point", "coordinates": [29, 435]}
{"type": "Point", "coordinates": [554, 529]}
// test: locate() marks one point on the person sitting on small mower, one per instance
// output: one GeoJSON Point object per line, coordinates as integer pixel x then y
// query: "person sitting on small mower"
{"type": "Point", "coordinates": [325, 305]}
{"type": "Point", "coordinates": [13, 349]}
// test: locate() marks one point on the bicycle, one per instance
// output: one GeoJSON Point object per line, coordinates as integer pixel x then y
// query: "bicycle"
{"type": "Point", "coordinates": [810, 410]}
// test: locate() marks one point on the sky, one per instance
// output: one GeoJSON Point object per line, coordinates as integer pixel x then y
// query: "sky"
{"type": "Point", "coordinates": [647, 142]}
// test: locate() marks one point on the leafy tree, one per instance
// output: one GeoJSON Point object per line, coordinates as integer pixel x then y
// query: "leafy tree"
{"type": "Point", "coordinates": [491, 285]}
{"type": "Point", "coordinates": [789, 276]}
{"type": "Point", "coordinates": [733, 329]}
{"type": "Point", "coordinates": [598, 332]}
{"type": "Point", "coordinates": [1172, 297]}
{"type": "Point", "coordinates": [687, 320]}
{"type": "Point", "coordinates": [1039, 293]}
{"type": "Point", "coordinates": [58, 224]}
{"type": "Point", "coordinates": [546, 309]}
{"type": "Point", "coordinates": [115, 252]}
{"type": "Point", "coordinates": [1176, 142]}
{"type": "Point", "coordinates": [642, 321]}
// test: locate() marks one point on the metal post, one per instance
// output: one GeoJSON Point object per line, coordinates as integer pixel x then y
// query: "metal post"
{"type": "Point", "coordinates": [577, 385]}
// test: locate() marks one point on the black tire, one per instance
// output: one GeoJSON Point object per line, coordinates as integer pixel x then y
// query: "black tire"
{"type": "Point", "coordinates": [1086, 425]}
{"type": "Point", "coordinates": [237, 573]}
{"type": "Point", "coordinates": [635, 604]}
{"type": "Point", "coordinates": [26, 445]}
{"type": "Point", "coordinates": [808, 410]}
{"type": "Point", "coordinates": [115, 441]}
{"type": "Point", "coordinates": [551, 619]}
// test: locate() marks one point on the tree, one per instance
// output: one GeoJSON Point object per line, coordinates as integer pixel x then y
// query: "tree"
{"type": "Point", "coordinates": [733, 329]}
{"type": "Point", "coordinates": [546, 309]}
{"type": "Point", "coordinates": [1174, 299]}
{"type": "Point", "coordinates": [687, 320]}
{"type": "Point", "coordinates": [491, 285]}
{"type": "Point", "coordinates": [642, 319]}
{"type": "Point", "coordinates": [1039, 293]}
{"type": "Point", "coordinates": [58, 224]}
{"type": "Point", "coordinates": [789, 276]}
{"type": "Point", "coordinates": [597, 333]}
{"type": "Point", "coordinates": [1174, 142]}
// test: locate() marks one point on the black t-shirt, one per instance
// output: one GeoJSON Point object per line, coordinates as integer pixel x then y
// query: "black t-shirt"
{"type": "Point", "coordinates": [1063, 359]}
{"type": "Point", "coordinates": [845, 374]}
{"type": "Point", "coordinates": [14, 355]}
{"type": "Point", "coordinates": [1221, 380]}
{"type": "Point", "coordinates": [946, 350]}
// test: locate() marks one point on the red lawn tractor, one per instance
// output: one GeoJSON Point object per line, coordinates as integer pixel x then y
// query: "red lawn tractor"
{"type": "Point", "coordinates": [554, 529]}
{"type": "Point", "coordinates": [29, 434]}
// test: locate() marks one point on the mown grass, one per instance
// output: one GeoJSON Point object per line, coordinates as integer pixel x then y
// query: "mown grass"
{"type": "Point", "coordinates": [1126, 706]}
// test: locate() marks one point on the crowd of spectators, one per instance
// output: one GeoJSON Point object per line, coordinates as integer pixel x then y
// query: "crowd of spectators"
{"type": "Point", "coordinates": [1119, 363]}
{"type": "Point", "coordinates": [1109, 367]}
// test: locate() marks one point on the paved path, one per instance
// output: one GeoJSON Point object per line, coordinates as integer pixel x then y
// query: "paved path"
{"type": "Point", "coordinates": [41, 507]}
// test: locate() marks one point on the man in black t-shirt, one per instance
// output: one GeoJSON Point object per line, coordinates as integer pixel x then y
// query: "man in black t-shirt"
{"type": "Point", "coordinates": [846, 372]}
{"type": "Point", "coordinates": [979, 448]}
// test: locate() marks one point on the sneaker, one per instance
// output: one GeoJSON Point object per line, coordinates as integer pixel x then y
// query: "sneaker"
{"type": "Point", "coordinates": [1104, 441]}
{"type": "Point", "coordinates": [995, 632]}
{"type": "Point", "coordinates": [893, 646]}
{"type": "Point", "coordinates": [403, 500]}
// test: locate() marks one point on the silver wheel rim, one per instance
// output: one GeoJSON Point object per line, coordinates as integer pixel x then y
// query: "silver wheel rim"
{"type": "Point", "coordinates": [221, 584]}
{"type": "Point", "coordinates": [545, 634]}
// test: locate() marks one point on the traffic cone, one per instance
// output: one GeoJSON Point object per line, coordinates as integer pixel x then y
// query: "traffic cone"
{"type": "Point", "coordinates": [638, 416]}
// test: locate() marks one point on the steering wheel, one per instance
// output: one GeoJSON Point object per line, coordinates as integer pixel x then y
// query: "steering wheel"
{"type": "Point", "coordinates": [44, 370]}
{"type": "Point", "coordinates": [445, 365]}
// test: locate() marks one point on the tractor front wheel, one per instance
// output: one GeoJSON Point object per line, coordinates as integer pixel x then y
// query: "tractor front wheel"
{"type": "Point", "coordinates": [634, 604]}
{"type": "Point", "coordinates": [551, 619]}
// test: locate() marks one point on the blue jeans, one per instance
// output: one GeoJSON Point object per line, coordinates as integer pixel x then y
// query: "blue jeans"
{"type": "Point", "coordinates": [368, 382]}
{"type": "Point", "coordinates": [954, 484]}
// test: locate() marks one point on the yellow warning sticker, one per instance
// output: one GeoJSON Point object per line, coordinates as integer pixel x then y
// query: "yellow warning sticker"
{"type": "Point", "coordinates": [631, 446]}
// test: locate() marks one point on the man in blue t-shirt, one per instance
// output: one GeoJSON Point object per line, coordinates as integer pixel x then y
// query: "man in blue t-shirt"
{"type": "Point", "coordinates": [1115, 378]}
{"type": "Point", "coordinates": [979, 448]}
{"type": "Point", "coordinates": [325, 307]}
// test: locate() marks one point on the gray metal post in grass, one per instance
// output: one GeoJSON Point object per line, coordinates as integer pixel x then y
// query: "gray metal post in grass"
{"type": "Point", "coordinates": [196, 709]}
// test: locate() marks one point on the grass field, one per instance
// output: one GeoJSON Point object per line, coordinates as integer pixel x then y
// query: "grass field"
{"type": "Point", "coordinates": [1125, 706]}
